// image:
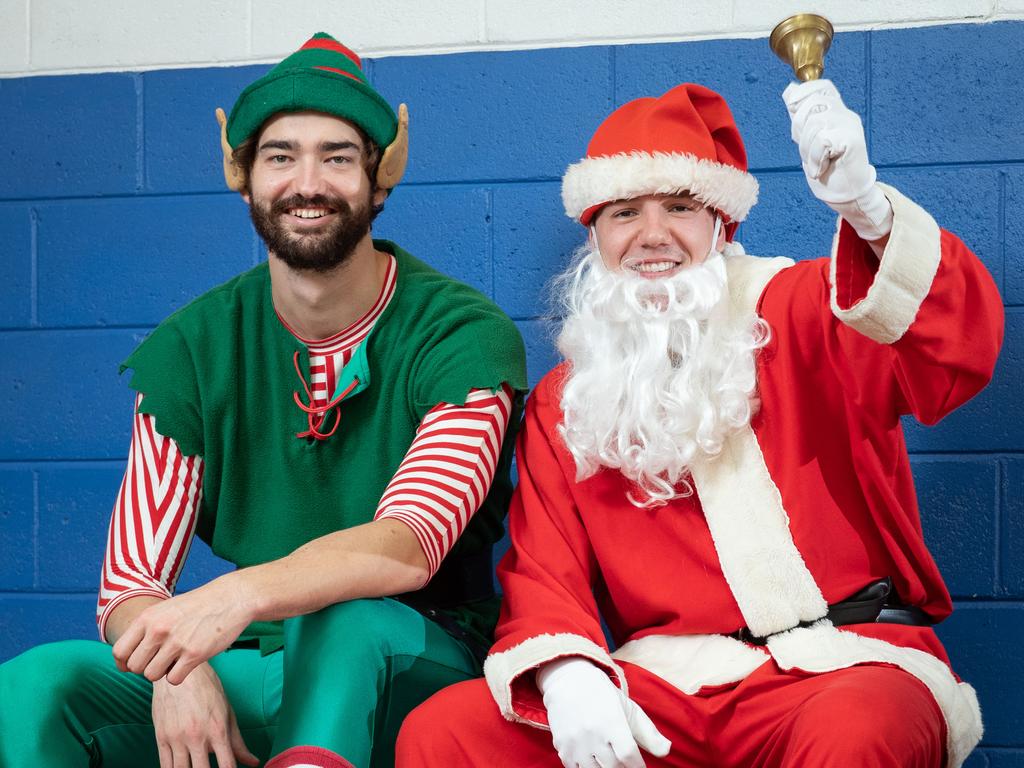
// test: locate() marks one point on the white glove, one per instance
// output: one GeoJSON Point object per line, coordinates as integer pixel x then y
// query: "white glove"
{"type": "Point", "coordinates": [835, 157]}
{"type": "Point", "coordinates": [592, 723]}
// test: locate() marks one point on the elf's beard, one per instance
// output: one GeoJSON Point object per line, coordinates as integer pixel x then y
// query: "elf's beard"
{"type": "Point", "coordinates": [660, 374]}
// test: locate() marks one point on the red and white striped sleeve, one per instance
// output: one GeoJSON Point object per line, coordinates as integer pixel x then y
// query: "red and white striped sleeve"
{"type": "Point", "coordinates": [153, 520]}
{"type": "Point", "coordinates": [448, 470]}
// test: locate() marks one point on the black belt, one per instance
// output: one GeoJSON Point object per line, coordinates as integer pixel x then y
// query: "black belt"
{"type": "Point", "coordinates": [876, 603]}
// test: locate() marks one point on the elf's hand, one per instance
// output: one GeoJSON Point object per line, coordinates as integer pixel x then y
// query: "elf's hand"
{"type": "Point", "coordinates": [834, 156]}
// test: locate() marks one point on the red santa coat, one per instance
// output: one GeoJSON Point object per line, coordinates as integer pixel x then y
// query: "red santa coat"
{"type": "Point", "coordinates": [806, 506]}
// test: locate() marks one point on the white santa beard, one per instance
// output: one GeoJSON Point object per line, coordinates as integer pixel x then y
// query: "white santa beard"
{"type": "Point", "coordinates": [660, 373]}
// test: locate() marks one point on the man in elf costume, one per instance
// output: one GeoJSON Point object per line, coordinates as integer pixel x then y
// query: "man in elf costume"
{"type": "Point", "coordinates": [336, 422]}
{"type": "Point", "coordinates": [718, 471]}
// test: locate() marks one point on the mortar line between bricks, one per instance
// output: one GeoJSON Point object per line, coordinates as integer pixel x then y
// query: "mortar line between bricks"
{"type": "Point", "coordinates": [33, 258]}
{"type": "Point", "coordinates": [768, 170]}
{"type": "Point", "coordinates": [47, 595]}
{"type": "Point", "coordinates": [994, 453]}
{"type": "Point", "coordinates": [64, 328]}
{"type": "Point", "coordinates": [54, 463]}
{"type": "Point", "coordinates": [612, 77]}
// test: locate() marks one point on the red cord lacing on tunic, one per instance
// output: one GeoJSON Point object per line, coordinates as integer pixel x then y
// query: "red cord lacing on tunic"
{"type": "Point", "coordinates": [316, 415]}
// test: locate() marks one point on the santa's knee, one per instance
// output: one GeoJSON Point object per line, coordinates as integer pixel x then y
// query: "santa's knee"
{"type": "Point", "coordinates": [446, 726]}
{"type": "Point", "coordinates": [878, 716]}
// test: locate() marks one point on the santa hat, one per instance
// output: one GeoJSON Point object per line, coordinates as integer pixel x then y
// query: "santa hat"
{"type": "Point", "coordinates": [685, 140]}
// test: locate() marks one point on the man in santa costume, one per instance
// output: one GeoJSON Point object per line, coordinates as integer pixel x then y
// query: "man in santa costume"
{"type": "Point", "coordinates": [335, 422]}
{"type": "Point", "coordinates": [718, 471]}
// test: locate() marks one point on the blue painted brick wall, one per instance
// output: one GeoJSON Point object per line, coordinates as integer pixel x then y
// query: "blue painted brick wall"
{"type": "Point", "coordinates": [113, 213]}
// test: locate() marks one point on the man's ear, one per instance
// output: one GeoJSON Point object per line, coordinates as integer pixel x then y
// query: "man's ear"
{"type": "Point", "coordinates": [234, 176]}
{"type": "Point", "coordinates": [379, 196]}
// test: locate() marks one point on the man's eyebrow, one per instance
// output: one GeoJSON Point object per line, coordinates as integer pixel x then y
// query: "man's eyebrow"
{"type": "Point", "coordinates": [277, 144]}
{"type": "Point", "coordinates": [337, 146]}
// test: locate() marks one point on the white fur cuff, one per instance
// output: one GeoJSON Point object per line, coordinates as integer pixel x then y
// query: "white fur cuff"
{"type": "Point", "coordinates": [501, 669]}
{"type": "Point", "coordinates": [904, 277]}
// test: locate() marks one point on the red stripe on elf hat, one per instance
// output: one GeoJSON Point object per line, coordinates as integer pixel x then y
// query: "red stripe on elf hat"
{"type": "Point", "coordinates": [329, 44]}
{"type": "Point", "coordinates": [340, 72]}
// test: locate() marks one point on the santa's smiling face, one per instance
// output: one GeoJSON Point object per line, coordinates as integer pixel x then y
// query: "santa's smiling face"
{"type": "Point", "coordinates": [655, 236]}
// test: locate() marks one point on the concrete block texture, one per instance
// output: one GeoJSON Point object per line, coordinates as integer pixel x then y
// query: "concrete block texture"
{"type": "Point", "coordinates": [984, 647]}
{"type": "Point", "coordinates": [756, 16]}
{"type": "Point", "coordinates": [61, 35]}
{"type": "Point", "coordinates": [29, 620]}
{"type": "Point", "coordinates": [934, 94]}
{"type": "Point", "coordinates": [1013, 236]}
{"type": "Point", "coordinates": [72, 35]}
{"type": "Point", "coordinates": [133, 261]}
{"type": "Point", "coordinates": [497, 116]}
{"type": "Point", "coordinates": [280, 27]}
{"type": "Point", "coordinates": [17, 523]}
{"type": "Point", "coordinates": [181, 136]}
{"type": "Point", "coordinates": [68, 140]}
{"type": "Point", "coordinates": [60, 395]}
{"type": "Point", "coordinates": [537, 21]}
{"type": "Point", "coordinates": [1011, 528]}
{"type": "Point", "coordinates": [750, 78]}
{"type": "Point", "coordinates": [958, 500]}
{"type": "Point", "coordinates": [14, 36]}
{"type": "Point", "coordinates": [533, 241]}
{"type": "Point", "coordinates": [992, 420]}
{"type": "Point", "coordinates": [447, 227]}
{"type": "Point", "coordinates": [74, 514]}
{"type": "Point", "coordinates": [16, 265]}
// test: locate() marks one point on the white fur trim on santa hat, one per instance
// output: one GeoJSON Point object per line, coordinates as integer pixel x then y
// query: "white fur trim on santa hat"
{"type": "Point", "coordinates": [823, 648]}
{"type": "Point", "coordinates": [904, 277]}
{"type": "Point", "coordinates": [501, 669]}
{"type": "Point", "coordinates": [596, 180]}
{"type": "Point", "coordinates": [691, 662]}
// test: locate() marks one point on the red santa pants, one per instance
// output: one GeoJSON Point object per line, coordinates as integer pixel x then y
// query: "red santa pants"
{"type": "Point", "coordinates": [862, 716]}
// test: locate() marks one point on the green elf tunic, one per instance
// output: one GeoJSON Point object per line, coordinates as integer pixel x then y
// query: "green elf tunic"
{"type": "Point", "coordinates": [219, 377]}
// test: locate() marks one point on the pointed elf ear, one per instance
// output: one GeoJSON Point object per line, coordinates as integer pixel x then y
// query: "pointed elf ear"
{"type": "Point", "coordinates": [392, 164]}
{"type": "Point", "coordinates": [233, 175]}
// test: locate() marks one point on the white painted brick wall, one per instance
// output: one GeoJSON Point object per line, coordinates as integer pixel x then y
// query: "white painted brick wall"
{"type": "Point", "coordinates": [14, 35]}
{"type": "Point", "coordinates": [280, 26]}
{"type": "Point", "coordinates": [57, 36]}
{"type": "Point", "coordinates": [119, 34]}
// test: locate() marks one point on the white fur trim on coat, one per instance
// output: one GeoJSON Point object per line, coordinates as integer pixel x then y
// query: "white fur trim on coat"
{"type": "Point", "coordinates": [904, 278]}
{"type": "Point", "coordinates": [596, 180]}
{"type": "Point", "coordinates": [501, 669]}
{"type": "Point", "coordinates": [823, 648]}
{"type": "Point", "coordinates": [750, 528]}
{"type": "Point", "coordinates": [690, 662]}
{"type": "Point", "coordinates": [748, 276]}
{"type": "Point", "coordinates": [743, 507]}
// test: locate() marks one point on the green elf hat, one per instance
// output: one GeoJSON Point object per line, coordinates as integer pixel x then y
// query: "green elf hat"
{"type": "Point", "coordinates": [322, 76]}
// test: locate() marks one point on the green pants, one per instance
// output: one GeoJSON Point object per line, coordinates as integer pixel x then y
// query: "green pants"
{"type": "Point", "coordinates": [346, 678]}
